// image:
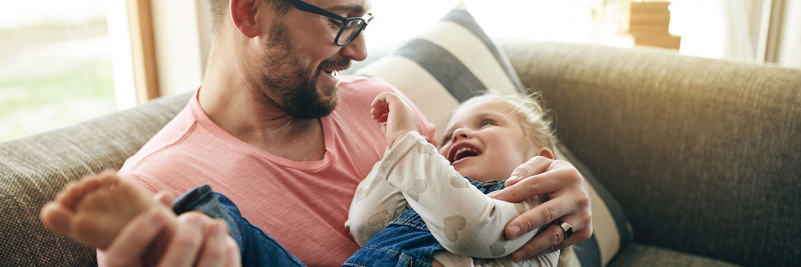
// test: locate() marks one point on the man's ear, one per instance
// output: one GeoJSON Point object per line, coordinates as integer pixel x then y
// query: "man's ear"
{"type": "Point", "coordinates": [546, 152]}
{"type": "Point", "coordinates": [243, 14]}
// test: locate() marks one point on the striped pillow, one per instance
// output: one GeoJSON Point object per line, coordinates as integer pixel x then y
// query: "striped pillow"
{"type": "Point", "coordinates": [611, 230]}
{"type": "Point", "coordinates": [451, 62]}
{"type": "Point", "coordinates": [455, 60]}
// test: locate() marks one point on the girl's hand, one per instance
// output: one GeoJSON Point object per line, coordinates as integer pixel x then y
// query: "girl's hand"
{"type": "Point", "coordinates": [397, 117]}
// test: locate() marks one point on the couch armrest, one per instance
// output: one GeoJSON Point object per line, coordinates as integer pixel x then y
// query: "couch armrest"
{"type": "Point", "coordinates": [35, 168]}
{"type": "Point", "coordinates": [703, 154]}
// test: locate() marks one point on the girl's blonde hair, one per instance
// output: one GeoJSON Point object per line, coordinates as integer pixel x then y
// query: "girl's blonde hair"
{"type": "Point", "coordinates": [535, 121]}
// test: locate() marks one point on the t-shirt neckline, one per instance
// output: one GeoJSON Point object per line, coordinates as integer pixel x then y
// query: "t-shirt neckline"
{"type": "Point", "coordinates": [231, 141]}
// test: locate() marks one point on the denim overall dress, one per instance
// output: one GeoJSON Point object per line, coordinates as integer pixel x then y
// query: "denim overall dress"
{"type": "Point", "coordinates": [406, 241]}
{"type": "Point", "coordinates": [256, 247]}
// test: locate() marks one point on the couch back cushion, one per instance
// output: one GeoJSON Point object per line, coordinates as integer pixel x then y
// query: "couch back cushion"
{"type": "Point", "coordinates": [34, 169]}
{"type": "Point", "coordinates": [704, 155]}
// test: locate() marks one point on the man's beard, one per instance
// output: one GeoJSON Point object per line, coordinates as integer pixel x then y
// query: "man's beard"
{"type": "Point", "coordinates": [296, 94]}
{"type": "Point", "coordinates": [303, 101]}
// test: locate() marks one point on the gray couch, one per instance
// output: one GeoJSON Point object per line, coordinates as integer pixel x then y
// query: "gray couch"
{"type": "Point", "coordinates": [704, 155]}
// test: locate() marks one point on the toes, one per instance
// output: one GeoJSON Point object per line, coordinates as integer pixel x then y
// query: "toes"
{"type": "Point", "coordinates": [104, 180]}
{"type": "Point", "coordinates": [70, 195]}
{"type": "Point", "coordinates": [56, 218]}
{"type": "Point", "coordinates": [92, 184]}
{"type": "Point", "coordinates": [73, 193]}
{"type": "Point", "coordinates": [108, 178]}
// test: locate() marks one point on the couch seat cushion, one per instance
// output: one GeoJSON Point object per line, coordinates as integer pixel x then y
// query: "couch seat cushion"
{"type": "Point", "coordinates": [639, 254]}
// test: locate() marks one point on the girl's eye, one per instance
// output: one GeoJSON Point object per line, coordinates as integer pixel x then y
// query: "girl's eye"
{"type": "Point", "coordinates": [486, 122]}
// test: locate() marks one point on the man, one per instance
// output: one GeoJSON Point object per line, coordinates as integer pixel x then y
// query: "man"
{"type": "Point", "coordinates": [274, 129]}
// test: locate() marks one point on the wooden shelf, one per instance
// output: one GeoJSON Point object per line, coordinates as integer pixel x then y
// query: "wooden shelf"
{"type": "Point", "coordinates": [649, 25]}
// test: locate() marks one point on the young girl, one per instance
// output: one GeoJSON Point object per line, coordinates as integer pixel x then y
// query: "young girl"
{"type": "Point", "coordinates": [451, 221]}
{"type": "Point", "coordinates": [487, 138]}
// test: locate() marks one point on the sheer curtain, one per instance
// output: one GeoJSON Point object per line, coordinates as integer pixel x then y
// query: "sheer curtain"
{"type": "Point", "coordinates": [717, 28]}
{"type": "Point", "coordinates": [748, 30]}
{"type": "Point", "coordinates": [789, 45]}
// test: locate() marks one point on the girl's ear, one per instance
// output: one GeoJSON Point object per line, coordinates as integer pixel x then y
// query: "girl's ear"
{"type": "Point", "coordinates": [243, 14]}
{"type": "Point", "coordinates": [546, 152]}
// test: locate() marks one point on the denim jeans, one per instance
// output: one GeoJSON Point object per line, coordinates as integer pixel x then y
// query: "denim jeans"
{"type": "Point", "coordinates": [256, 247]}
{"type": "Point", "coordinates": [406, 241]}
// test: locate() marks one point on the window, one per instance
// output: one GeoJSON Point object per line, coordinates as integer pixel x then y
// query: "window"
{"type": "Point", "coordinates": [716, 29]}
{"type": "Point", "coordinates": [55, 65]}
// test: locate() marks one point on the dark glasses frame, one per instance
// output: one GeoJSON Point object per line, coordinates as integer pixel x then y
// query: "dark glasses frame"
{"type": "Point", "coordinates": [362, 21]}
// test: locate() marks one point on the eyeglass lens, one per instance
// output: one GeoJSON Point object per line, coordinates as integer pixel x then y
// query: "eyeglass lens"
{"type": "Point", "coordinates": [350, 31]}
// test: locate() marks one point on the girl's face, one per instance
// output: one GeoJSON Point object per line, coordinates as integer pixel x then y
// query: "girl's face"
{"type": "Point", "coordinates": [484, 141]}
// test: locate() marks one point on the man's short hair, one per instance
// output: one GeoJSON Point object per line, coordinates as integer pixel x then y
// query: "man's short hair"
{"type": "Point", "coordinates": [219, 9]}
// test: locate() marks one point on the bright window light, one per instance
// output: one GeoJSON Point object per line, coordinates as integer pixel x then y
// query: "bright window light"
{"type": "Point", "coordinates": [55, 65]}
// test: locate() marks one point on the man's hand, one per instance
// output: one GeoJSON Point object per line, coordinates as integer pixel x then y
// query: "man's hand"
{"type": "Point", "coordinates": [399, 118]}
{"type": "Point", "coordinates": [569, 202]}
{"type": "Point", "coordinates": [199, 240]}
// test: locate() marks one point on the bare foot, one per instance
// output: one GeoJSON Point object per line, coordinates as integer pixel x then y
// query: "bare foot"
{"type": "Point", "coordinates": [96, 208]}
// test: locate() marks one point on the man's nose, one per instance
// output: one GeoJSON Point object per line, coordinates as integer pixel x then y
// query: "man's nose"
{"type": "Point", "coordinates": [356, 50]}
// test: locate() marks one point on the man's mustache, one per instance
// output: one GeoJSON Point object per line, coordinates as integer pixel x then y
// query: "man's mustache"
{"type": "Point", "coordinates": [338, 63]}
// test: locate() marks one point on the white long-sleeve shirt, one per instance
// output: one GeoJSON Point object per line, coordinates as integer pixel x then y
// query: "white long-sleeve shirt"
{"type": "Point", "coordinates": [464, 220]}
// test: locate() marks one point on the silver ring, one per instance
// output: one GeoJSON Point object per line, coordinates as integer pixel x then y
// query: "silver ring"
{"type": "Point", "coordinates": [567, 229]}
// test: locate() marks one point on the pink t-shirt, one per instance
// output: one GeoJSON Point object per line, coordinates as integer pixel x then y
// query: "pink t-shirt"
{"type": "Point", "coordinates": [303, 205]}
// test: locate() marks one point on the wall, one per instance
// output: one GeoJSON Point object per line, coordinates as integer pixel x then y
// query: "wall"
{"type": "Point", "coordinates": [181, 44]}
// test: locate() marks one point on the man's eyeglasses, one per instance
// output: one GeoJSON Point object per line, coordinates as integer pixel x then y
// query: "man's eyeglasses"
{"type": "Point", "coordinates": [351, 26]}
